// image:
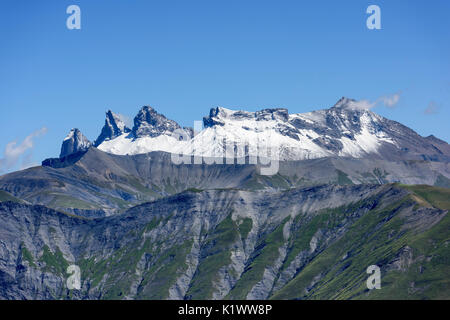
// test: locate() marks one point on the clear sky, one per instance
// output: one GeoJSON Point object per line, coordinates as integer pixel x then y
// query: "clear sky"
{"type": "Point", "coordinates": [185, 57]}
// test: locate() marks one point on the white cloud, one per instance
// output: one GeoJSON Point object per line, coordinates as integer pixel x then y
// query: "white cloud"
{"type": "Point", "coordinates": [13, 152]}
{"type": "Point", "coordinates": [432, 108]}
{"type": "Point", "coordinates": [391, 101]}
{"type": "Point", "coordinates": [361, 105]}
{"type": "Point", "coordinates": [127, 120]}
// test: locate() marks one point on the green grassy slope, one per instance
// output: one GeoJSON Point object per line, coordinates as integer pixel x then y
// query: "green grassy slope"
{"type": "Point", "coordinates": [414, 265]}
{"type": "Point", "coordinates": [402, 229]}
{"type": "Point", "coordinates": [5, 196]}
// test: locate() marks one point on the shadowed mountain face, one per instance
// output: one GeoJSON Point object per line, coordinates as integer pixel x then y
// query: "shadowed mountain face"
{"type": "Point", "coordinates": [314, 242]}
{"type": "Point", "coordinates": [97, 183]}
{"type": "Point", "coordinates": [150, 123]}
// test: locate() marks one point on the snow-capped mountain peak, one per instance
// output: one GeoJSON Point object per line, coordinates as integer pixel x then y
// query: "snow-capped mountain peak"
{"type": "Point", "coordinates": [152, 131]}
{"type": "Point", "coordinates": [348, 129]}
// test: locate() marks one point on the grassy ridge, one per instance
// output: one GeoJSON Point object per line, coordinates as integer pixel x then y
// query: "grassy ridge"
{"type": "Point", "coordinates": [436, 196]}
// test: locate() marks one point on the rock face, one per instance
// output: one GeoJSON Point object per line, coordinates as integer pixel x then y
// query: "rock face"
{"type": "Point", "coordinates": [150, 123]}
{"type": "Point", "coordinates": [73, 143]}
{"type": "Point", "coordinates": [219, 115]}
{"type": "Point", "coordinates": [313, 242]}
{"type": "Point", "coordinates": [113, 128]}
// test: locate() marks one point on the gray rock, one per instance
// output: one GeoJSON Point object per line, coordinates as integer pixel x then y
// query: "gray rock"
{"type": "Point", "coordinates": [73, 143]}
{"type": "Point", "coordinates": [114, 127]}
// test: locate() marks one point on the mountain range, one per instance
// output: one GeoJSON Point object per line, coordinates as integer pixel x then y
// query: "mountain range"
{"type": "Point", "coordinates": [351, 189]}
{"type": "Point", "coordinates": [343, 130]}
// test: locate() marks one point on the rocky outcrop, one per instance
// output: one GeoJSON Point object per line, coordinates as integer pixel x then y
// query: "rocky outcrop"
{"type": "Point", "coordinates": [114, 127]}
{"type": "Point", "coordinates": [74, 142]}
{"type": "Point", "coordinates": [150, 123]}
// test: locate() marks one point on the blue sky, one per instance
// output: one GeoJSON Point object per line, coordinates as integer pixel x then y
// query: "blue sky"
{"type": "Point", "coordinates": [185, 57]}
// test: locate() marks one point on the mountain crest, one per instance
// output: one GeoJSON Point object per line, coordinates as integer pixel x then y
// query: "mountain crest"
{"type": "Point", "coordinates": [149, 123]}
{"type": "Point", "coordinates": [344, 102]}
{"type": "Point", "coordinates": [348, 129]}
{"type": "Point", "coordinates": [74, 142]}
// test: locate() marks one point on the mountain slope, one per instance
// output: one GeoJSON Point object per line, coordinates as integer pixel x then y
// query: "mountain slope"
{"type": "Point", "coordinates": [97, 183]}
{"type": "Point", "coordinates": [303, 243]}
{"type": "Point", "coordinates": [414, 264]}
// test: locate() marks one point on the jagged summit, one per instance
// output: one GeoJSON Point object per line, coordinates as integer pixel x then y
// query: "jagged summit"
{"type": "Point", "coordinates": [354, 106]}
{"type": "Point", "coordinates": [149, 123]}
{"type": "Point", "coordinates": [344, 102]}
{"type": "Point", "coordinates": [74, 142]}
{"type": "Point", "coordinates": [114, 127]}
{"type": "Point", "coordinates": [347, 129]}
